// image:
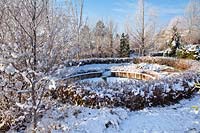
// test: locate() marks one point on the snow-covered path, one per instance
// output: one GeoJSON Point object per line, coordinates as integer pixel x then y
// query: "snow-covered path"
{"type": "Point", "coordinates": [177, 118]}
{"type": "Point", "coordinates": [75, 119]}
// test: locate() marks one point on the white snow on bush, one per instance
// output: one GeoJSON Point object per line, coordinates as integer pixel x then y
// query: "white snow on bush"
{"type": "Point", "coordinates": [10, 69]}
{"type": "Point", "coordinates": [2, 67]}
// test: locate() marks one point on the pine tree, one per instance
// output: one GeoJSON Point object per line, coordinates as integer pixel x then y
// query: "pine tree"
{"type": "Point", "coordinates": [175, 42]}
{"type": "Point", "coordinates": [124, 46]}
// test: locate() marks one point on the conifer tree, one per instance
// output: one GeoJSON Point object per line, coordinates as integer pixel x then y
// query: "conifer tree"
{"type": "Point", "coordinates": [124, 46]}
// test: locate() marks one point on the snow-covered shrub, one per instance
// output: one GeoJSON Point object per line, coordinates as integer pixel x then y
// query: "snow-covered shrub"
{"type": "Point", "coordinates": [15, 97]}
{"type": "Point", "coordinates": [132, 95]}
{"type": "Point", "coordinates": [189, 52]}
{"type": "Point", "coordinates": [135, 94]}
{"type": "Point", "coordinates": [82, 62]}
{"type": "Point", "coordinates": [179, 64]}
{"type": "Point", "coordinates": [12, 88]}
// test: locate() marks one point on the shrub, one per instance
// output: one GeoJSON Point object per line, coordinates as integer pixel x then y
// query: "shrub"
{"type": "Point", "coordinates": [182, 53]}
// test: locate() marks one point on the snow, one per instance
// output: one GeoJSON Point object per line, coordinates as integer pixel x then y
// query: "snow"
{"type": "Point", "coordinates": [158, 71]}
{"type": "Point", "coordinates": [77, 75]}
{"type": "Point", "coordinates": [85, 68]}
{"type": "Point", "coordinates": [192, 48]}
{"type": "Point", "coordinates": [141, 67]}
{"type": "Point", "coordinates": [178, 118]}
{"type": "Point", "coordinates": [174, 43]}
{"type": "Point", "coordinates": [117, 80]}
{"type": "Point", "coordinates": [108, 80]}
{"type": "Point", "coordinates": [10, 69]}
{"type": "Point", "coordinates": [178, 87]}
{"type": "Point", "coordinates": [106, 69]}
{"type": "Point", "coordinates": [52, 84]}
{"type": "Point", "coordinates": [75, 119]}
{"type": "Point", "coordinates": [97, 67]}
{"type": "Point", "coordinates": [2, 67]}
{"type": "Point", "coordinates": [114, 86]}
{"type": "Point", "coordinates": [18, 85]}
{"type": "Point", "coordinates": [60, 118]}
{"type": "Point", "coordinates": [23, 106]}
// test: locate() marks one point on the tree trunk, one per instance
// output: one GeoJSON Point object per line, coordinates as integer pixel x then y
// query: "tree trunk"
{"type": "Point", "coordinates": [143, 28]}
{"type": "Point", "coordinates": [34, 46]}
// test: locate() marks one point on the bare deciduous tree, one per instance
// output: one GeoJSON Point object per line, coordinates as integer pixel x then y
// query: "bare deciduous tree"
{"type": "Point", "coordinates": [33, 32]}
{"type": "Point", "coordinates": [192, 16]}
{"type": "Point", "coordinates": [143, 31]}
{"type": "Point", "coordinates": [99, 32]}
{"type": "Point", "coordinates": [75, 10]}
{"type": "Point", "coordinates": [30, 26]}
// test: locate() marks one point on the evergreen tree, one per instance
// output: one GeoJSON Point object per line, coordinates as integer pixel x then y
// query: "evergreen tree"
{"type": "Point", "coordinates": [124, 46]}
{"type": "Point", "coordinates": [174, 43]}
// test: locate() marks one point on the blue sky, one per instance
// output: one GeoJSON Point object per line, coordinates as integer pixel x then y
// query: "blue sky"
{"type": "Point", "coordinates": [120, 10]}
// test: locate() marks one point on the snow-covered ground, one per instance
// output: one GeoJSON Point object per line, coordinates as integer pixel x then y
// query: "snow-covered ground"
{"type": "Point", "coordinates": [144, 66]}
{"type": "Point", "coordinates": [177, 118]}
{"type": "Point", "coordinates": [108, 80]}
{"type": "Point", "coordinates": [159, 70]}
{"type": "Point", "coordinates": [182, 117]}
{"type": "Point", "coordinates": [63, 71]}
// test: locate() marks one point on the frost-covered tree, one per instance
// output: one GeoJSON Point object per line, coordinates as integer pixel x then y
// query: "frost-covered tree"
{"type": "Point", "coordinates": [144, 28]}
{"type": "Point", "coordinates": [85, 39]}
{"type": "Point", "coordinates": [32, 42]}
{"type": "Point", "coordinates": [25, 17]}
{"type": "Point", "coordinates": [103, 36]}
{"type": "Point", "coordinates": [192, 16]}
{"type": "Point", "coordinates": [75, 12]}
{"type": "Point", "coordinates": [174, 43]}
{"type": "Point", "coordinates": [99, 33]}
{"type": "Point", "coordinates": [112, 46]}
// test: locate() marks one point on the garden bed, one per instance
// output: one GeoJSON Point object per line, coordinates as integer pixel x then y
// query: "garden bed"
{"type": "Point", "coordinates": [135, 95]}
